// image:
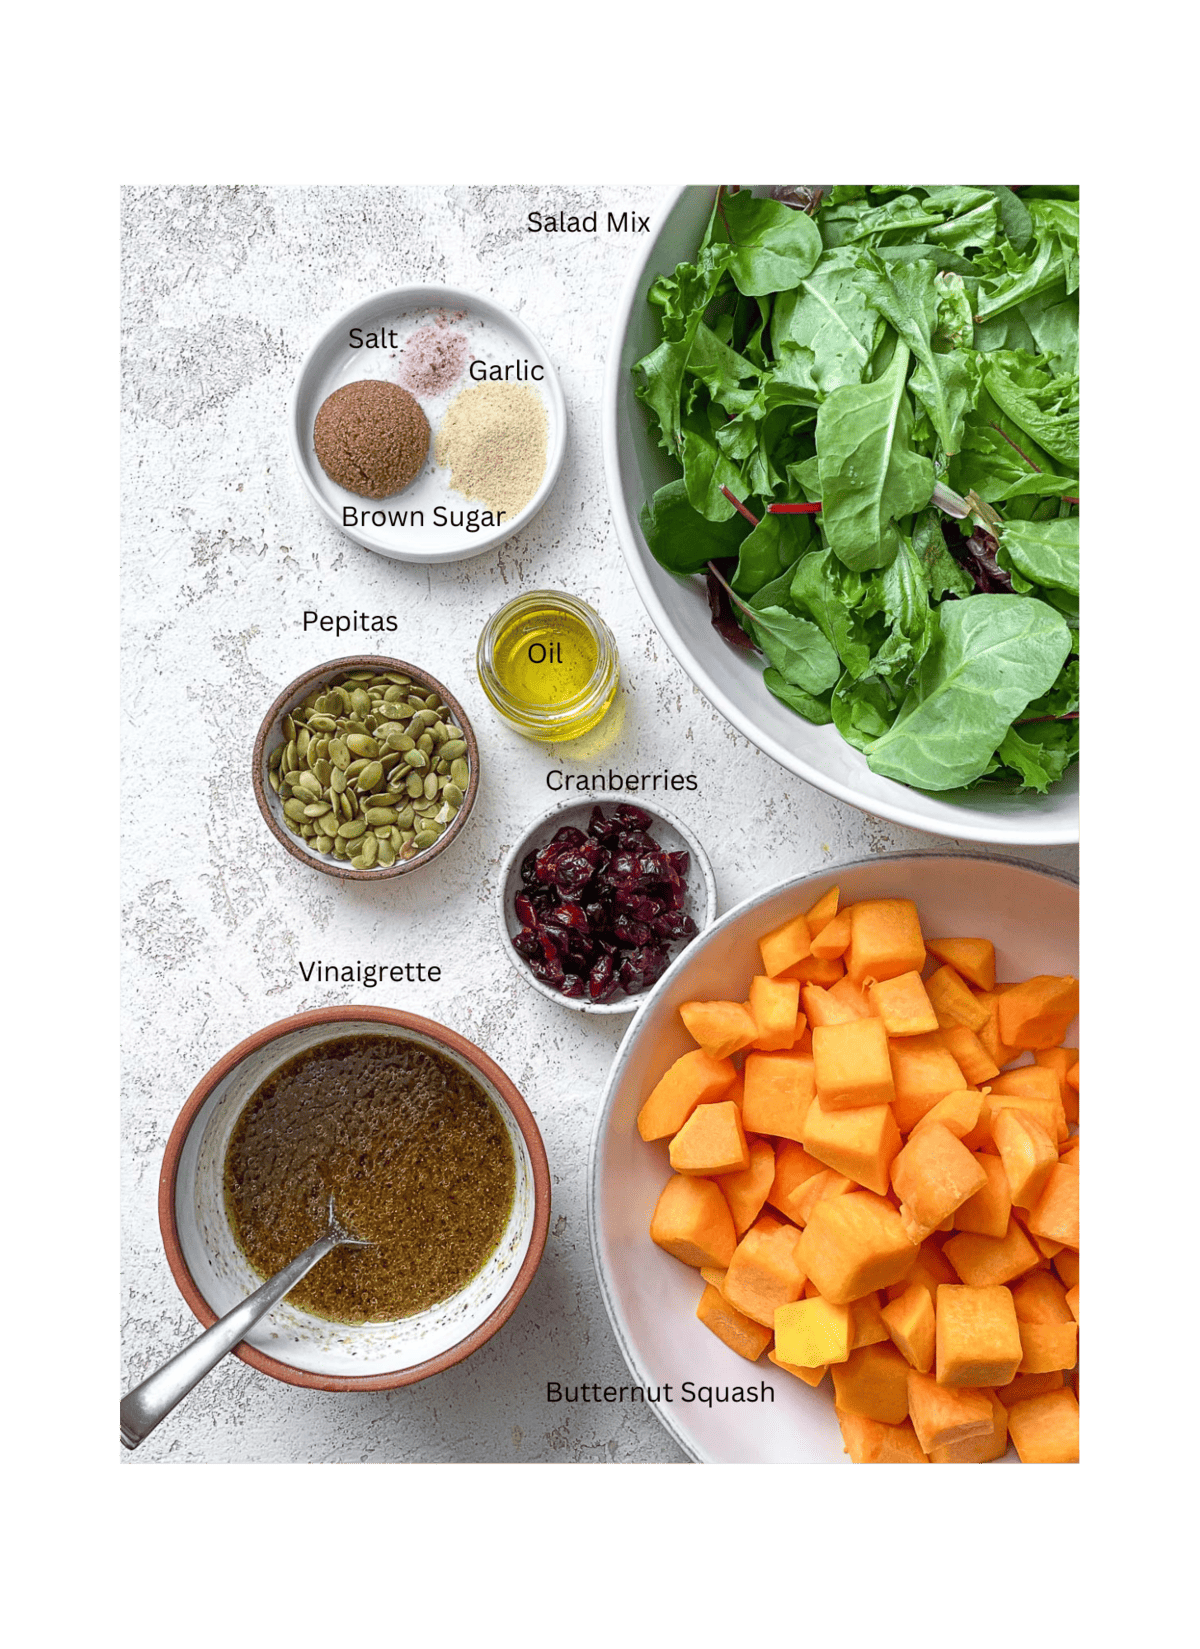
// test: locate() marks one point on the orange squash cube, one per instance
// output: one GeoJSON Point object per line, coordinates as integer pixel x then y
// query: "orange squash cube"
{"type": "Point", "coordinates": [834, 937]}
{"type": "Point", "coordinates": [810, 1376]}
{"type": "Point", "coordinates": [988, 1212]}
{"type": "Point", "coordinates": [823, 912]}
{"type": "Point", "coordinates": [903, 1005]}
{"type": "Point", "coordinates": [812, 1333]}
{"type": "Point", "coordinates": [867, 1327]}
{"type": "Point", "coordinates": [885, 939]}
{"type": "Point", "coordinates": [942, 1415]}
{"type": "Point", "coordinates": [986, 1261]}
{"type": "Point", "coordinates": [861, 1143]}
{"type": "Point", "coordinates": [1049, 1112]}
{"type": "Point", "coordinates": [785, 945]}
{"type": "Point", "coordinates": [763, 1271]}
{"type": "Point", "coordinates": [1029, 1385]}
{"type": "Point", "coordinates": [1073, 1301]}
{"type": "Point", "coordinates": [1060, 1061]}
{"type": "Point", "coordinates": [923, 1071]}
{"type": "Point", "coordinates": [871, 1443]}
{"type": "Point", "coordinates": [953, 1003]}
{"type": "Point", "coordinates": [933, 1175]}
{"type": "Point", "coordinates": [1056, 1212]}
{"type": "Point", "coordinates": [823, 1008]}
{"type": "Point", "coordinates": [1041, 1298]}
{"type": "Point", "coordinates": [1037, 1013]}
{"type": "Point", "coordinates": [930, 1269]}
{"type": "Point", "coordinates": [721, 1028]}
{"type": "Point", "coordinates": [910, 1322]}
{"type": "Point", "coordinates": [817, 970]}
{"type": "Point", "coordinates": [714, 1274]}
{"type": "Point", "coordinates": [974, 959]}
{"type": "Point", "coordinates": [969, 1054]}
{"type": "Point", "coordinates": [849, 995]}
{"type": "Point", "coordinates": [793, 1169]}
{"type": "Point", "coordinates": [746, 1189]}
{"type": "Point", "coordinates": [852, 1064]}
{"type": "Point", "coordinates": [740, 1334]}
{"type": "Point", "coordinates": [959, 1112]}
{"type": "Point", "coordinates": [711, 1141]}
{"type": "Point", "coordinates": [1045, 1430]}
{"type": "Point", "coordinates": [828, 1183]}
{"type": "Point", "coordinates": [1048, 1346]}
{"type": "Point", "coordinates": [1029, 1082]}
{"type": "Point", "coordinates": [978, 1336]}
{"type": "Point", "coordinates": [775, 1006]}
{"type": "Point", "coordinates": [975, 1451]}
{"type": "Point", "coordinates": [873, 1382]}
{"type": "Point", "coordinates": [694, 1079]}
{"type": "Point", "coordinates": [692, 1221]}
{"type": "Point", "coordinates": [989, 1034]}
{"type": "Point", "coordinates": [779, 1090]}
{"type": "Point", "coordinates": [1066, 1264]}
{"type": "Point", "coordinates": [853, 1245]}
{"type": "Point", "coordinates": [1027, 1154]}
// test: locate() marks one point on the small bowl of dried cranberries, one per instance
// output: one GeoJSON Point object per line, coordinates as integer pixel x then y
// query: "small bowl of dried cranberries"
{"type": "Point", "coordinates": [598, 899]}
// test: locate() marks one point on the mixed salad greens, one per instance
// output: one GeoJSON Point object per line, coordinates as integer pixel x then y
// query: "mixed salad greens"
{"type": "Point", "coordinates": [907, 359]}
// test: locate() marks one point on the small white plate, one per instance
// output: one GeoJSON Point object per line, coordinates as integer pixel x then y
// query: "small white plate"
{"type": "Point", "coordinates": [671, 834]}
{"type": "Point", "coordinates": [496, 338]}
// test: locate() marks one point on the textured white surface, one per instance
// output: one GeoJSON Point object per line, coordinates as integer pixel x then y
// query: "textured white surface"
{"type": "Point", "coordinates": [224, 289]}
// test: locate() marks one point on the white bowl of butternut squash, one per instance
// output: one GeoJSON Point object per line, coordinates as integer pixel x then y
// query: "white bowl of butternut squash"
{"type": "Point", "coordinates": [833, 1185]}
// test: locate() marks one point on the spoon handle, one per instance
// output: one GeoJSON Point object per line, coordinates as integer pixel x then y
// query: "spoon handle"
{"type": "Point", "coordinates": [149, 1403]}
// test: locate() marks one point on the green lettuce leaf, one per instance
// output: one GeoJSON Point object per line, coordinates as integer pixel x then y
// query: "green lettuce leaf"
{"type": "Point", "coordinates": [680, 539]}
{"type": "Point", "coordinates": [771, 247]}
{"type": "Point", "coordinates": [907, 295]}
{"type": "Point", "coordinates": [1045, 552]}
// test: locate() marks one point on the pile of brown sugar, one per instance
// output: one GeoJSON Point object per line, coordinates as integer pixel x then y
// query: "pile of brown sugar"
{"type": "Point", "coordinates": [371, 437]}
{"type": "Point", "coordinates": [493, 439]}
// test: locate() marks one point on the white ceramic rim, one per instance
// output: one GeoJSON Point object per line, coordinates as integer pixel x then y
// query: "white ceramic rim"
{"type": "Point", "coordinates": [430, 295]}
{"type": "Point", "coordinates": [970, 826]}
{"type": "Point", "coordinates": [627, 1004]}
{"type": "Point", "coordinates": [620, 1328]}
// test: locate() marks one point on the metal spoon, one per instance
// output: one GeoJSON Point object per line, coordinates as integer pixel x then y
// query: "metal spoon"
{"type": "Point", "coordinates": [149, 1403]}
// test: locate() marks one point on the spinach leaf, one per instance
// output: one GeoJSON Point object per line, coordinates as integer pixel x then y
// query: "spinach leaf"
{"type": "Point", "coordinates": [796, 648]}
{"type": "Point", "coordinates": [825, 331]}
{"type": "Point", "coordinates": [771, 246]}
{"type": "Point", "coordinates": [804, 704]}
{"type": "Point", "coordinates": [831, 594]}
{"type": "Point", "coordinates": [706, 469]}
{"type": "Point", "coordinates": [870, 475]}
{"type": "Point", "coordinates": [907, 295]}
{"type": "Point", "coordinates": [680, 539]}
{"type": "Point", "coordinates": [1045, 552]}
{"type": "Point", "coordinates": [991, 655]}
{"type": "Point", "coordinates": [769, 550]}
{"type": "Point", "coordinates": [862, 710]}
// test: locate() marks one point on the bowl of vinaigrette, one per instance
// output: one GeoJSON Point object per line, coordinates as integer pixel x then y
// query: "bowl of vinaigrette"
{"type": "Point", "coordinates": [548, 664]}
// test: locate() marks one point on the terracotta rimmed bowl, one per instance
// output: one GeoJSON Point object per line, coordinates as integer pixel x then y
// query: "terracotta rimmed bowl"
{"type": "Point", "coordinates": [672, 835]}
{"type": "Point", "coordinates": [290, 1344]}
{"type": "Point", "coordinates": [270, 734]}
{"type": "Point", "coordinates": [1031, 914]}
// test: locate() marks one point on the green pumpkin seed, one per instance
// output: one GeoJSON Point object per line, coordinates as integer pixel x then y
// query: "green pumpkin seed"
{"type": "Point", "coordinates": [417, 760]}
{"type": "Point", "coordinates": [274, 781]}
{"type": "Point", "coordinates": [370, 848]}
{"type": "Point", "coordinates": [362, 744]}
{"type": "Point", "coordinates": [339, 753]}
{"type": "Point", "coordinates": [352, 829]}
{"type": "Point", "coordinates": [294, 810]}
{"type": "Point", "coordinates": [387, 855]}
{"type": "Point", "coordinates": [323, 844]}
{"type": "Point", "coordinates": [431, 786]}
{"type": "Point", "coordinates": [369, 778]}
{"type": "Point", "coordinates": [414, 786]}
{"type": "Point", "coordinates": [380, 815]}
{"type": "Point", "coordinates": [453, 749]}
{"type": "Point", "coordinates": [452, 794]}
{"type": "Point", "coordinates": [425, 838]}
{"type": "Point", "coordinates": [460, 772]}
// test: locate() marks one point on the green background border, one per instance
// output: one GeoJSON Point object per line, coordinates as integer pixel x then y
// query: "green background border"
{"type": "Point", "coordinates": [531, 1549]}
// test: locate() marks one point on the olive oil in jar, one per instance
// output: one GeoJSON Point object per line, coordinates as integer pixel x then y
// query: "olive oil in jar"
{"type": "Point", "coordinates": [548, 663]}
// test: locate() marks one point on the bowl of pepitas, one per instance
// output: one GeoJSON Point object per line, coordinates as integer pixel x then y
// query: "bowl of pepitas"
{"type": "Point", "coordinates": [596, 900]}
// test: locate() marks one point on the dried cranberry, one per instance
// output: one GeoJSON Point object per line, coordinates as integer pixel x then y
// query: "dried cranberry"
{"type": "Point", "coordinates": [528, 873]}
{"type": "Point", "coordinates": [637, 906]}
{"type": "Point", "coordinates": [642, 967]}
{"type": "Point", "coordinates": [573, 985]}
{"type": "Point", "coordinates": [633, 818]}
{"type": "Point", "coordinates": [526, 911]}
{"type": "Point", "coordinates": [623, 867]}
{"type": "Point", "coordinates": [674, 924]}
{"type": "Point", "coordinates": [568, 836]}
{"type": "Point", "coordinates": [569, 915]}
{"type": "Point", "coordinates": [637, 841]}
{"type": "Point", "coordinates": [602, 829]}
{"type": "Point", "coordinates": [680, 863]}
{"type": "Point", "coordinates": [602, 981]}
{"type": "Point", "coordinates": [598, 913]}
{"type": "Point", "coordinates": [572, 873]}
{"type": "Point", "coordinates": [545, 864]}
{"type": "Point", "coordinates": [629, 933]}
{"type": "Point", "coordinates": [527, 944]}
{"type": "Point", "coordinates": [550, 971]}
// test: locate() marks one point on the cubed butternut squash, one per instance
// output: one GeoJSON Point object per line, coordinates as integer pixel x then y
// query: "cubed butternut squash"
{"type": "Point", "coordinates": [867, 1327]}
{"type": "Point", "coordinates": [746, 1189]}
{"type": "Point", "coordinates": [1027, 1153]}
{"type": "Point", "coordinates": [852, 1067]}
{"type": "Point", "coordinates": [942, 1415]}
{"type": "Point", "coordinates": [983, 1261]}
{"type": "Point", "coordinates": [1048, 1346]}
{"type": "Point", "coordinates": [885, 939]}
{"type": "Point", "coordinates": [975, 1451]}
{"type": "Point", "coordinates": [933, 1175]}
{"type": "Point", "coordinates": [749, 1339]}
{"type": "Point", "coordinates": [711, 1142]}
{"type": "Point", "coordinates": [1045, 1429]}
{"type": "Point", "coordinates": [764, 1271]}
{"type": "Point", "coordinates": [1030, 1385]}
{"type": "Point", "coordinates": [828, 1183]}
{"type": "Point", "coordinates": [853, 1245]}
{"type": "Point", "coordinates": [823, 912]}
{"type": "Point", "coordinates": [775, 1006]}
{"type": "Point", "coordinates": [779, 1088]}
{"type": "Point", "coordinates": [785, 945]}
{"type": "Point", "coordinates": [861, 1143]}
{"type": "Point", "coordinates": [978, 1336]}
{"type": "Point", "coordinates": [969, 1054]}
{"type": "Point", "coordinates": [822, 1007]}
{"type": "Point", "coordinates": [721, 1028]}
{"type": "Point", "coordinates": [953, 1003]}
{"type": "Point", "coordinates": [873, 1381]}
{"type": "Point", "coordinates": [812, 1333]}
{"type": "Point", "coordinates": [692, 1221]}
{"type": "Point", "coordinates": [1041, 1298]}
{"type": "Point", "coordinates": [930, 1268]}
{"type": "Point", "coordinates": [810, 1376]}
{"type": "Point", "coordinates": [871, 1443]}
{"type": "Point", "coordinates": [1056, 1212]}
{"type": "Point", "coordinates": [1066, 1264]}
{"type": "Point", "coordinates": [958, 1112]}
{"type": "Point", "coordinates": [694, 1079]}
{"type": "Point", "coordinates": [974, 959]}
{"type": "Point", "coordinates": [793, 1169]}
{"type": "Point", "coordinates": [834, 938]}
{"type": "Point", "coordinates": [817, 970]}
{"type": "Point", "coordinates": [902, 1004]}
{"type": "Point", "coordinates": [923, 1071]}
{"type": "Point", "coordinates": [988, 1212]}
{"type": "Point", "coordinates": [910, 1323]}
{"type": "Point", "coordinates": [1037, 1013]}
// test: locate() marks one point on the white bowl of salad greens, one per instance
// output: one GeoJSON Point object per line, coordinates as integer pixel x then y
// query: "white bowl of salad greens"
{"type": "Point", "coordinates": [841, 432]}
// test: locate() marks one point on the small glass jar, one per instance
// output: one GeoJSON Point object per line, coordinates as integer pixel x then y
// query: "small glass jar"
{"type": "Point", "coordinates": [548, 663]}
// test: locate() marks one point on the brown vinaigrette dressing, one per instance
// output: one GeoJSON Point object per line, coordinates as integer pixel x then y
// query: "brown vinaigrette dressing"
{"type": "Point", "coordinates": [412, 1150]}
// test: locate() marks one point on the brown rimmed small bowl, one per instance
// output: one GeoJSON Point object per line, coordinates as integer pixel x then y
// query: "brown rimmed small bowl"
{"type": "Point", "coordinates": [290, 1344]}
{"type": "Point", "coordinates": [271, 733]}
